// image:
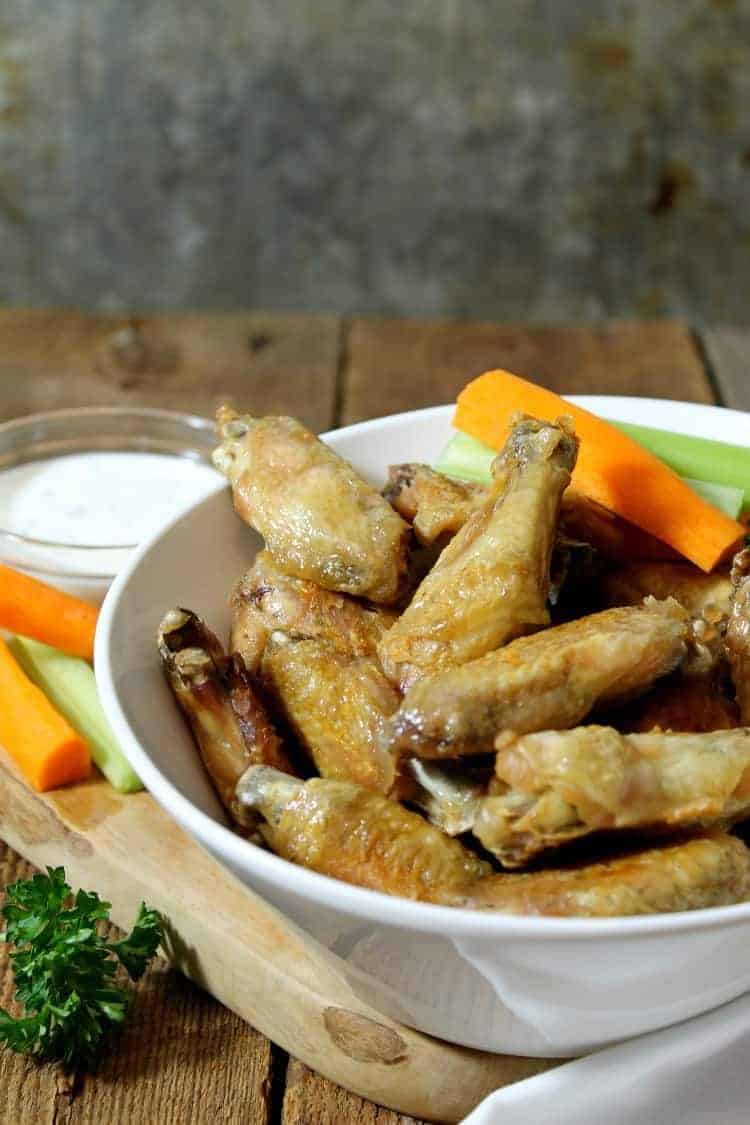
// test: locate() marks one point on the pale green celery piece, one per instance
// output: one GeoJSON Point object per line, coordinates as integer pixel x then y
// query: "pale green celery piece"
{"type": "Point", "coordinates": [714, 462]}
{"type": "Point", "coordinates": [468, 459]}
{"type": "Point", "coordinates": [70, 686]}
{"type": "Point", "coordinates": [727, 499]}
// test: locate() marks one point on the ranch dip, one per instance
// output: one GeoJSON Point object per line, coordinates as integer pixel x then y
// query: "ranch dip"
{"type": "Point", "coordinates": [107, 500]}
{"type": "Point", "coordinates": [99, 499]}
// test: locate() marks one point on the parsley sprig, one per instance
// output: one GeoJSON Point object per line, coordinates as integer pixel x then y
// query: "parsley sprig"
{"type": "Point", "coordinates": [64, 970]}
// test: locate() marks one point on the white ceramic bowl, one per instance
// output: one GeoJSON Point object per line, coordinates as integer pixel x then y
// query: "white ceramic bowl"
{"type": "Point", "coordinates": [536, 986]}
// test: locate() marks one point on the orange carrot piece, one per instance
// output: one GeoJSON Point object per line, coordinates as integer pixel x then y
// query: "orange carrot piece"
{"type": "Point", "coordinates": [43, 745]}
{"type": "Point", "coordinates": [43, 613]}
{"type": "Point", "coordinates": [612, 469]}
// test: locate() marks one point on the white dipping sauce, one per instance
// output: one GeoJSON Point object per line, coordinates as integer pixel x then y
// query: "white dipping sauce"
{"type": "Point", "coordinates": [99, 499]}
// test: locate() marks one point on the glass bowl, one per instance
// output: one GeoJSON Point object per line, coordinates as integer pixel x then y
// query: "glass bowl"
{"type": "Point", "coordinates": [76, 564]}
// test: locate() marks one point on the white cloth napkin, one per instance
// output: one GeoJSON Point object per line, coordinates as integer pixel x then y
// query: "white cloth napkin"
{"type": "Point", "coordinates": [696, 1073]}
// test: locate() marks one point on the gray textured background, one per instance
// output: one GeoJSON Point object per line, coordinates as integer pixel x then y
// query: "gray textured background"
{"type": "Point", "coordinates": [528, 159]}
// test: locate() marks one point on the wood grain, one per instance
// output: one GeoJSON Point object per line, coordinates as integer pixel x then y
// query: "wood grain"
{"type": "Point", "coordinates": [310, 1099]}
{"type": "Point", "coordinates": [728, 351]}
{"type": "Point", "coordinates": [267, 363]}
{"type": "Point", "coordinates": [394, 365]}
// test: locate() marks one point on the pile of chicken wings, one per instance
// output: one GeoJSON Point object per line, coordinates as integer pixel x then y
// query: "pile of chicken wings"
{"type": "Point", "coordinates": [497, 697]}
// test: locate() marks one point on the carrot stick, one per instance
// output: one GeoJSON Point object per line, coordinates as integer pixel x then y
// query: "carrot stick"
{"type": "Point", "coordinates": [40, 611]}
{"type": "Point", "coordinates": [43, 745]}
{"type": "Point", "coordinates": [612, 469]}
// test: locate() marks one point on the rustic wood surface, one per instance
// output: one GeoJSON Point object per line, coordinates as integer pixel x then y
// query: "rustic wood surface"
{"type": "Point", "coordinates": [182, 1056]}
{"type": "Point", "coordinates": [728, 355]}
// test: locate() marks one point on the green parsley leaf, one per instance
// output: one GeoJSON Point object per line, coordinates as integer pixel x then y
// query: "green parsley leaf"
{"type": "Point", "coordinates": [64, 970]}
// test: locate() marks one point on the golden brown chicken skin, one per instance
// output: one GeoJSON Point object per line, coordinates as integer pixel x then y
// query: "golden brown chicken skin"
{"type": "Point", "coordinates": [738, 632]}
{"type": "Point", "coordinates": [266, 601]}
{"type": "Point", "coordinates": [319, 519]}
{"type": "Point", "coordinates": [491, 582]}
{"type": "Point", "coordinates": [435, 505]}
{"type": "Point", "coordinates": [556, 786]}
{"type": "Point", "coordinates": [337, 705]}
{"type": "Point", "coordinates": [344, 831]}
{"type": "Point", "coordinates": [227, 718]}
{"type": "Point", "coordinates": [546, 681]}
{"type": "Point", "coordinates": [702, 595]}
{"type": "Point", "coordinates": [709, 870]}
{"type": "Point", "coordinates": [438, 506]}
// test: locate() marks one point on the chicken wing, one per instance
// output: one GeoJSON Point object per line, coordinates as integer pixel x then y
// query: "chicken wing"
{"type": "Point", "coordinates": [738, 632]}
{"type": "Point", "coordinates": [710, 870]}
{"type": "Point", "coordinates": [319, 519]}
{"type": "Point", "coordinates": [337, 705]}
{"type": "Point", "coordinates": [556, 786]}
{"type": "Point", "coordinates": [547, 681]}
{"type": "Point", "coordinates": [435, 505]}
{"type": "Point", "coordinates": [266, 601]}
{"type": "Point", "coordinates": [344, 831]}
{"type": "Point", "coordinates": [438, 506]}
{"type": "Point", "coordinates": [228, 720]}
{"type": "Point", "coordinates": [491, 582]}
{"type": "Point", "coordinates": [702, 595]}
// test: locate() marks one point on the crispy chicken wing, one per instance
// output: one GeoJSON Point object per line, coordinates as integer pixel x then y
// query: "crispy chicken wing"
{"type": "Point", "coordinates": [702, 595]}
{"type": "Point", "coordinates": [549, 680]}
{"type": "Point", "coordinates": [337, 704]}
{"type": "Point", "coordinates": [490, 584]}
{"type": "Point", "coordinates": [266, 601]}
{"type": "Point", "coordinates": [319, 519]}
{"type": "Point", "coordinates": [738, 632]}
{"type": "Point", "coordinates": [344, 831]}
{"type": "Point", "coordinates": [435, 505]}
{"type": "Point", "coordinates": [710, 870]}
{"type": "Point", "coordinates": [556, 786]}
{"type": "Point", "coordinates": [228, 720]}
{"type": "Point", "coordinates": [438, 506]}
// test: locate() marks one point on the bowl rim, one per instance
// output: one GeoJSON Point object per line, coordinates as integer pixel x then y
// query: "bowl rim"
{"type": "Point", "coordinates": [324, 890]}
{"type": "Point", "coordinates": [191, 422]}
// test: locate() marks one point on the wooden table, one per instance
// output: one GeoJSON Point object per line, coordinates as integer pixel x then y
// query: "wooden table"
{"type": "Point", "coordinates": [182, 1057]}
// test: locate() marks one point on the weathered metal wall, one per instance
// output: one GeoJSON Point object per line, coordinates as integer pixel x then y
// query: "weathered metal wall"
{"type": "Point", "coordinates": [519, 159]}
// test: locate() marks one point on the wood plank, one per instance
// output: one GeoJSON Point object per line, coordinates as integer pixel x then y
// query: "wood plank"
{"type": "Point", "coordinates": [264, 362]}
{"type": "Point", "coordinates": [728, 351]}
{"type": "Point", "coordinates": [310, 1099]}
{"type": "Point", "coordinates": [394, 365]}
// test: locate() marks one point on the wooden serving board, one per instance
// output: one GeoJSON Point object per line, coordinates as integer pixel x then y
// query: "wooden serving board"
{"type": "Point", "coordinates": [242, 950]}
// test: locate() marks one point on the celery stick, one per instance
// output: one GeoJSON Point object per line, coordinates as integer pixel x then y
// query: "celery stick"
{"type": "Point", "coordinates": [70, 686]}
{"type": "Point", "coordinates": [715, 462]}
{"type": "Point", "coordinates": [727, 499]}
{"type": "Point", "coordinates": [468, 459]}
